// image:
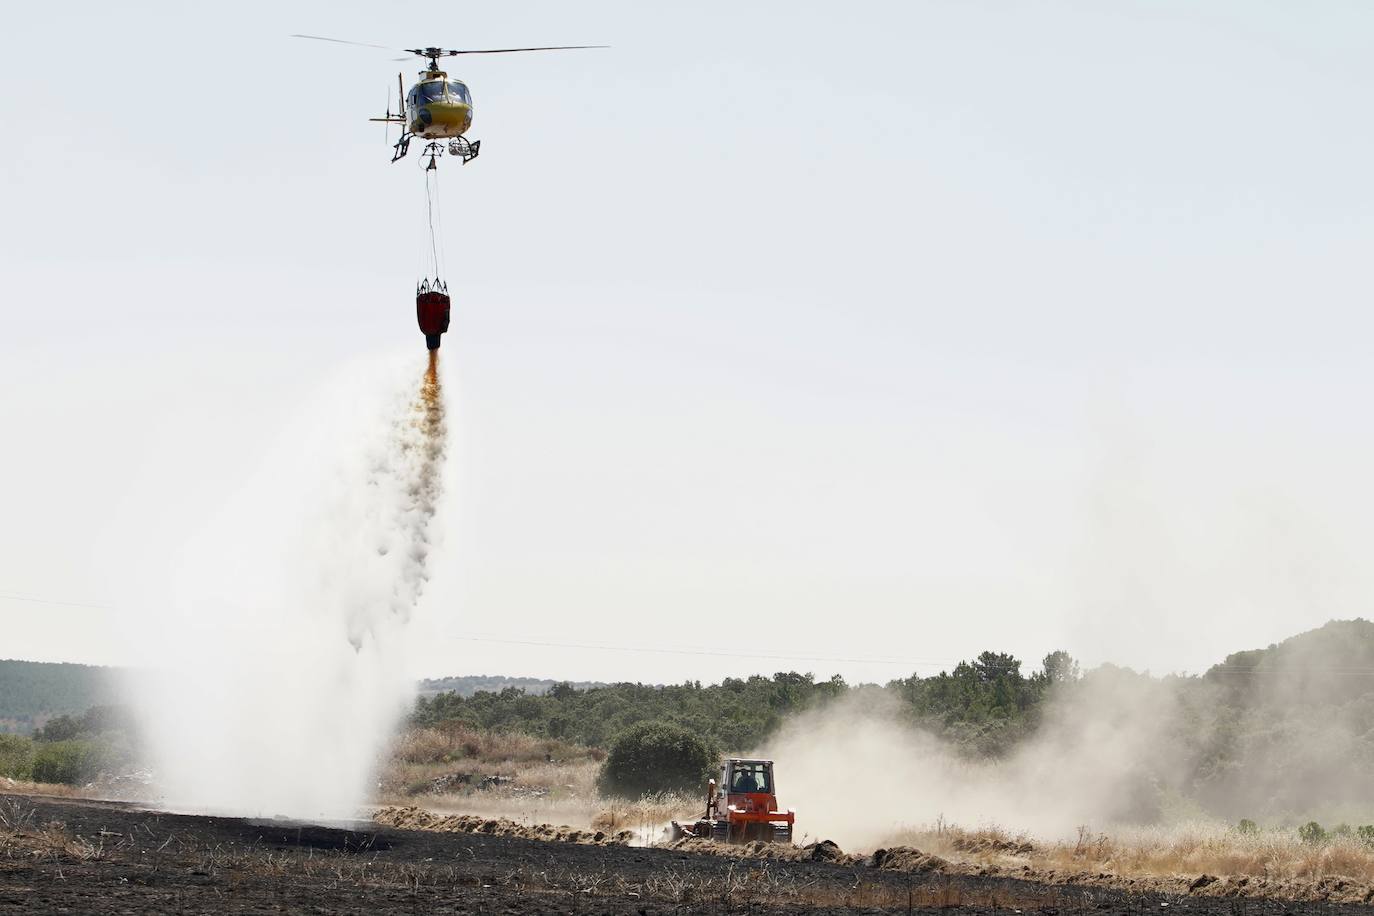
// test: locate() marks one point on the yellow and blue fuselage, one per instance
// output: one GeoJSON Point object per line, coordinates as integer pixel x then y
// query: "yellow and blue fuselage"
{"type": "Point", "coordinates": [438, 108]}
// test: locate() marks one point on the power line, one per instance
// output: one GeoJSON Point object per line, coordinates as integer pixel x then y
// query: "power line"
{"type": "Point", "coordinates": [10, 596]}
{"type": "Point", "coordinates": [715, 653]}
{"type": "Point", "coordinates": [1231, 670]}
{"type": "Point", "coordinates": [1223, 669]}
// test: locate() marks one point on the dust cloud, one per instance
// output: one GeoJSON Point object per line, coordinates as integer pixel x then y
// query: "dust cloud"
{"type": "Point", "coordinates": [1281, 739]}
{"type": "Point", "coordinates": [857, 772]}
{"type": "Point", "coordinates": [280, 659]}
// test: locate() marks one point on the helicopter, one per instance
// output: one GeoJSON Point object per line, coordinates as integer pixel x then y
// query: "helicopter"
{"type": "Point", "coordinates": [437, 108]}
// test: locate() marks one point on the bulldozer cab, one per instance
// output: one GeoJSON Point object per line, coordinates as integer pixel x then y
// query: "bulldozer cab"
{"type": "Point", "coordinates": [747, 777]}
{"type": "Point", "coordinates": [742, 807]}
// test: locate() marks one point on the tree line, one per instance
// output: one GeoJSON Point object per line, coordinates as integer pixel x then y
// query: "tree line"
{"type": "Point", "coordinates": [983, 705]}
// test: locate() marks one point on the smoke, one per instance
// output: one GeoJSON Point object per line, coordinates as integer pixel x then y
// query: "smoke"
{"type": "Point", "coordinates": [280, 660]}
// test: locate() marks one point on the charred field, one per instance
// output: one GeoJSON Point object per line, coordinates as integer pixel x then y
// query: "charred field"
{"type": "Point", "coordinates": [62, 855]}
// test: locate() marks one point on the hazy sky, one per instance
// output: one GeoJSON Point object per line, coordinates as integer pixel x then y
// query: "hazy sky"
{"type": "Point", "coordinates": [861, 331]}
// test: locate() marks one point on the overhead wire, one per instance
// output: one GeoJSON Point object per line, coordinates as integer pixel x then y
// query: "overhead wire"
{"type": "Point", "coordinates": [1222, 669]}
{"type": "Point", "coordinates": [667, 650]}
{"type": "Point", "coordinates": [10, 596]}
{"type": "Point", "coordinates": [913, 663]}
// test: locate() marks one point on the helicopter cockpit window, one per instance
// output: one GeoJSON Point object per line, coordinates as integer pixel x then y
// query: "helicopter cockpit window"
{"type": "Point", "coordinates": [432, 92]}
{"type": "Point", "coordinates": [459, 92]}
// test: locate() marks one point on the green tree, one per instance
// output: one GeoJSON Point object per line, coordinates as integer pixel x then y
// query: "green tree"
{"type": "Point", "coordinates": [657, 757]}
{"type": "Point", "coordinates": [60, 728]}
{"type": "Point", "coordinates": [1312, 832]}
{"type": "Point", "coordinates": [1060, 668]}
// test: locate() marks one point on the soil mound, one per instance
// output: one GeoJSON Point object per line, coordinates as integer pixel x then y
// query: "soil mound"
{"type": "Point", "coordinates": [824, 851]}
{"type": "Point", "coordinates": [413, 818]}
{"type": "Point", "coordinates": [898, 858]}
{"type": "Point", "coordinates": [905, 858]}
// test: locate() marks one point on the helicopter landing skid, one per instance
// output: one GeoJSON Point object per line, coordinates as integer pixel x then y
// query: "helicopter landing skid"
{"type": "Point", "coordinates": [401, 147]}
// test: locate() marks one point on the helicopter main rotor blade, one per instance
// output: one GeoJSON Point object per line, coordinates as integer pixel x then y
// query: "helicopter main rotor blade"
{"type": "Point", "coordinates": [448, 53]}
{"type": "Point", "coordinates": [340, 41]}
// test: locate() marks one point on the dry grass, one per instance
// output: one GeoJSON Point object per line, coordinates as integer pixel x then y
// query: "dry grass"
{"type": "Point", "coordinates": [550, 782]}
{"type": "Point", "coordinates": [420, 755]}
{"type": "Point", "coordinates": [1182, 851]}
{"type": "Point", "coordinates": [566, 795]}
{"type": "Point", "coordinates": [1215, 850]}
{"type": "Point", "coordinates": [454, 743]}
{"type": "Point", "coordinates": [24, 787]}
{"type": "Point", "coordinates": [577, 778]}
{"type": "Point", "coordinates": [543, 780]}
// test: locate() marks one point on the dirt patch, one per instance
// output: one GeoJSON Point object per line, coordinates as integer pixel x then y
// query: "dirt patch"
{"type": "Point", "coordinates": [413, 818]}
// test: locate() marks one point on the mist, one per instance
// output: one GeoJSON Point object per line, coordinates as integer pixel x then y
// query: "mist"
{"type": "Point", "coordinates": [279, 658]}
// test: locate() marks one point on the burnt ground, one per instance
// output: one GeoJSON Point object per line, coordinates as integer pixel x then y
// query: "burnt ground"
{"type": "Point", "coordinates": [81, 856]}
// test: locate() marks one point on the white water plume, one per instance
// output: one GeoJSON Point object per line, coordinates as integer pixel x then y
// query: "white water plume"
{"type": "Point", "coordinates": [281, 662]}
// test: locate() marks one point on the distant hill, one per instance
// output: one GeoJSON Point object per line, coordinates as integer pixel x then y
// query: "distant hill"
{"type": "Point", "coordinates": [1333, 664]}
{"type": "Point", "coordinates": [33, 692]}
{"type": "Point", "coordinates": [468, 685]}
{"type": "Point", "coordinates": [1344, 641]}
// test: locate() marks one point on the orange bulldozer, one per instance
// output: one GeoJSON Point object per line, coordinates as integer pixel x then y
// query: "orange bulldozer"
{"type": "Point", "coordinates": [742, 808]}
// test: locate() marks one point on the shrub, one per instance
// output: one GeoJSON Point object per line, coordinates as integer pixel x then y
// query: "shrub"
{"type": "Point", "coordinates": [1366, 833]}
{"type": "Point", "coordinates": [1312, 832]}
{"type": "Point", "coordinates": [61, 728]}
{"type": "Point", "coordinates": [16, 757]}
{"type": "Point", "coordinates": [1247, 826]}
{"type": "Point", "coordinates": [70, 762]}
{"type": "Point", "coordinates": [657, 757]}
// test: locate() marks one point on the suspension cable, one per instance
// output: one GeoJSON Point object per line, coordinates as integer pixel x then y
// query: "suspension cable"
{"type": "Point", "coordinates": [432, 204]}
{"type": "Point", "coordinates": [442, 262]}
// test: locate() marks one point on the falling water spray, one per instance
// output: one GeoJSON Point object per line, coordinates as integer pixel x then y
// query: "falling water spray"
{"type": "Point", "coordinates": [281, 660]}
{"type": "Point", "coordinates": [416, 461]}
